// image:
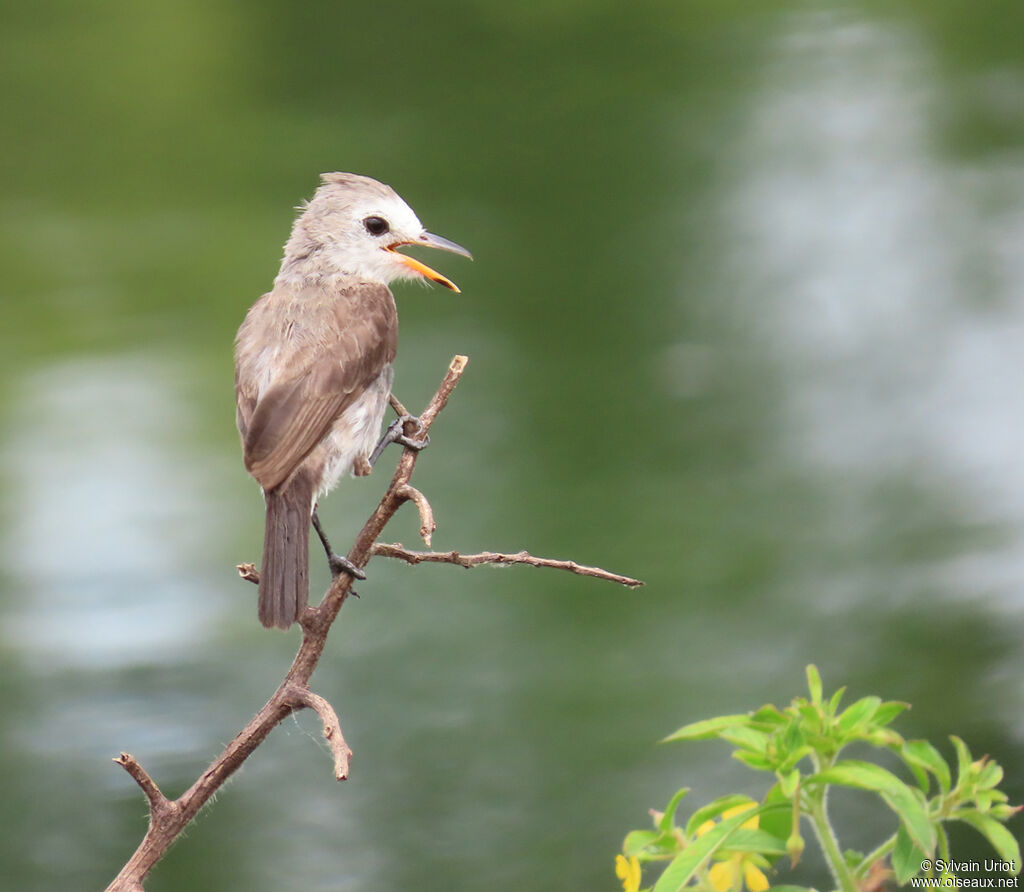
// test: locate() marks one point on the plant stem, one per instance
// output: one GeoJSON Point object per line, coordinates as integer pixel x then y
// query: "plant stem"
{"type": "Point", "coordinates": [943, 843]}
{"type": "Point", "coordinates": [877, 855]}
{"type": "Point", "coordinates": [818, 814]}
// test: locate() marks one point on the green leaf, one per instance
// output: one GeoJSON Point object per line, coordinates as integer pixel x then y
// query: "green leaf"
{"type": "Point", "coordinates": [998, 836]}
{"type": "Point", "coordinates": [990, 775]}
{"type": "Point", "coordinates": [814, 684]}
{"type": "Point", "coordinates": [884, 737]}
{"type": "Point", "coordinates": [963, 759]}
{"type": "Point", "coordinates": [833, 705]}
{"type": "Point", "coordinates": [940, 829]}
{"type": "Point", "coordinates": [638, 840]}
{"type": "Point", "coordinates": [768, 715]}
{"type": "Point", "coordinates": [753, 760]}
{"type": "Point", "coordinates": [896, 794]}
{"type": "Point", "coordinates": [789, 783]}
{"type": "Point", "coordinates": [984, 799]}
{"type": "Point", "coordinates": [852, 858]}
{"type": "Point", "coordinates": [668, 819]}
{"type": "Point", "coordinates": [859, 713]}
{"type": "Point", "coordinates": [792, 738]}
{"type": "Point", "coordinates": [795, 757]}
{"type": "Point", "coordinates": [682, 868]}
{"type": "Point", "coordinates": [811, 719]}
{"type": "Point", "coordinates": [714, 809]}
{"type": "Point", "coordinates": [889, 710]}
{"type": "Point", "coordinates": [778, 819]}
{"type": "Point", "coordinates": [906, 857]}
{"type": "Point", "coordinates": [745, 738]}
{"type": "Point", "coordinates": [921, 776]}
{"type": "Point", "coordinates": [708, 728]}
{"type": "Point", "coordinates": [914, 815]}
{"type": "Point", "coordinates": [921, 754]}
{"type": "Point", "coordinates": [748, 840]}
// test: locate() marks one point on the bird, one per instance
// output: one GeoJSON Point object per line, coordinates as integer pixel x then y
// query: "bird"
{"type": "Point", "coordinates": [313, 368]}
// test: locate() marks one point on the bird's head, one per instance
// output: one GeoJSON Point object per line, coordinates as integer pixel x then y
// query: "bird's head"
{"type": "Point", "coordinates": [354, 226]}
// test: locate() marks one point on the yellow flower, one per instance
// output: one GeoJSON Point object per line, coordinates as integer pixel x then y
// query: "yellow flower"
{"type": "Point", "coordinates": [628, 870]}
{"type": "Point", "coordinates": [736, 868]}
{"type": "Point", "coordinates": [725, 875]}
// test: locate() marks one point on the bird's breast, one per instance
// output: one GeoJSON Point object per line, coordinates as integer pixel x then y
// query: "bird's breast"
{"type": "Point", "coordinates": [357, 430]}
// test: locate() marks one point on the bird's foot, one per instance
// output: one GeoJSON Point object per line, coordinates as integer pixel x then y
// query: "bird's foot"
{"type": "Point", "coordinates": [396, 434]}
{"type": "Point", "coordinates": [336, 562]}
{"type": "Point", "coordinates": [339, 565]}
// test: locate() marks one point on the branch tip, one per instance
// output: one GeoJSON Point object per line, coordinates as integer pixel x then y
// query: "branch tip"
{"type": "Point", "coordinates": [157, 801]}
{"type": "Point", "coordinates": [427, 525]}
{"type": "Point", "coordinates": [400, 552]}
{"type": "Point", "coordinates": [397, 406]}
{"type": "Point", "coordinates": [248, 572]}
{"type": "Point", "coordinates": [299, 696]}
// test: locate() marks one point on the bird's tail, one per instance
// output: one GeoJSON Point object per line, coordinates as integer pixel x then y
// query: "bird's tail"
{"type": "Point", "coordinates": [284, 578]}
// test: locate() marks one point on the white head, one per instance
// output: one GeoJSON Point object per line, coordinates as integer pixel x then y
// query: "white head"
{"type": "Point", "coordinates": [353, 226]}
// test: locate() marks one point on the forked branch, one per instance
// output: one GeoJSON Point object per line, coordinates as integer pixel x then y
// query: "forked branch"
{"type": "Point", "coordinates": [168, 818]}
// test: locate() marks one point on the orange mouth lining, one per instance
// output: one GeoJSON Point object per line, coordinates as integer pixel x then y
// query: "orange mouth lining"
{"type": "Point", "coordinates": [421, 268]}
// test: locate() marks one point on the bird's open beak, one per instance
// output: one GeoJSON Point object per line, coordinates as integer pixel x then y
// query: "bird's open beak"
{"type": "Point", "coordinates": [429, 240]}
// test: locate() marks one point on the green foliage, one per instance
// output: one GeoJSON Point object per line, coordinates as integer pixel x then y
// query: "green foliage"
{"type": "Point", "coordinates": [729, 843]}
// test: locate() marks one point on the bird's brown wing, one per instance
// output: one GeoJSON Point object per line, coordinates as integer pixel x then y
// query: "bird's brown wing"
{"type": "Point", "coordinates": [342, 343]}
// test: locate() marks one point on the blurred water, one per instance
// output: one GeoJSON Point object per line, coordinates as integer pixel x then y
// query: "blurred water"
{"type": "Point", "coordinates": [744, 322]}
{"type": "Point", "coordinates": [96, 467]}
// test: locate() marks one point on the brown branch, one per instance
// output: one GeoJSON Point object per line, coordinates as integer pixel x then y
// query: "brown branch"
{"type": "Point", "coordinates": [168, 818]}
{"type": "Point", "coordinates": [304, 698]}
{"type": "Point", "coordinates": [396, 405]}
{"type": "Point", "coordinates": [427, 525]}
{"type": "Point", "coordinates": [158, 803]}
{"type": "Point", "coordinates": [249, 573]}
{"type": "Point", "coordinates": [167, 822]}
{"type": "Point", "coordinates": [398, 551]}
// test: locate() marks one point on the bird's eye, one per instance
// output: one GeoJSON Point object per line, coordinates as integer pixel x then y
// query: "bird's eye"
{"type": "Point", "coordinates": [376, 225]}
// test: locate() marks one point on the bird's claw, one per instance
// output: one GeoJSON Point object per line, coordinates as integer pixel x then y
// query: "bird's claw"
{"type": "Point", "coordinates": [396, 434]}
{"type": "Point", "coordinates": [339, 565]}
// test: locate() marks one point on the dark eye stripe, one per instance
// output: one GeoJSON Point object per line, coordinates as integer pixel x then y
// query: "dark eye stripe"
{"type": "Point", "coordinates": [376, 225]}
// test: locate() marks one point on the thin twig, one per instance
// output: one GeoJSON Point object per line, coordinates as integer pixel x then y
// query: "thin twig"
{"type": "Point", "coordinates": [303, 697]}
{"type": "Point", "coordinates": [158, 803]}
{"type": "Point", "coordinates": [397, 406]}
{"type": "Point", "coordinates": [249, 573]}
{"type": "Point", "coordinates": [398, 551]}
{"type": "Point", "coordinates": [427, 525]}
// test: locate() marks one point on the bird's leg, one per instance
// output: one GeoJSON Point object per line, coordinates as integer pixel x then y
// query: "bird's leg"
{"type": "Point", "coordinates": [336, 562]}
{"type": "Point", "coordinates": [396, 434]}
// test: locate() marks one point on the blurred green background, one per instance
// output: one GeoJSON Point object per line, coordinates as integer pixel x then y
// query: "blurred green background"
{"type": "Point", "coordinates": [746, 321]}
